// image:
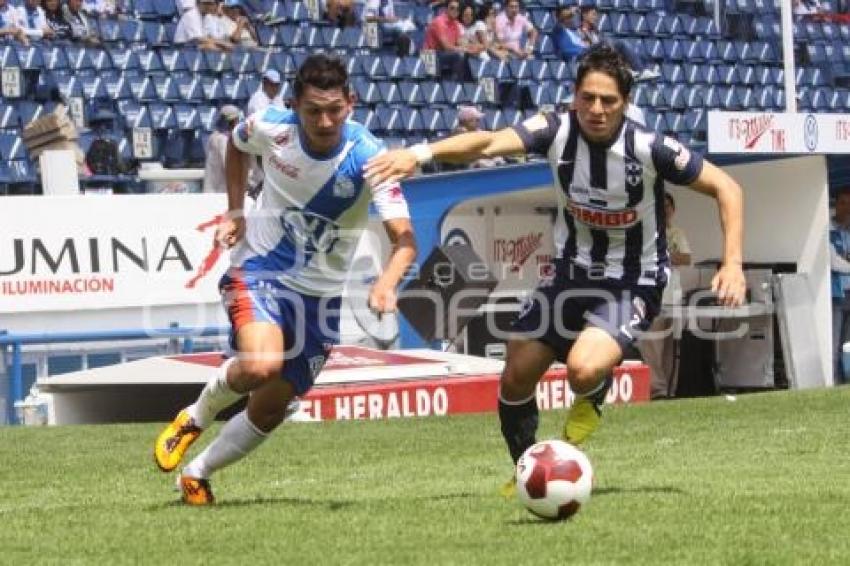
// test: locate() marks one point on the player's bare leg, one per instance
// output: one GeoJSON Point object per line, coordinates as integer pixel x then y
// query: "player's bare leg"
{"type": "Point", "coordinates": [526, 362]}
{"type": "Point", "coordinates": [590, 364]}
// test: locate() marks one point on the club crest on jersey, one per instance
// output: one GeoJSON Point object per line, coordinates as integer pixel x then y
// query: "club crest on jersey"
{"type": "Point", "coordinates": [343, 187]}
{"type": "Point", "coordinates": [282, 139]}
{"type": "Point", "coordinates": [602, 219]}
{"type": "Point", "coordinates": [316, 363]}
{"type": "Point", "coordinates": [634, 172]}
{"type": "Point", "coordinates": [309, 232]}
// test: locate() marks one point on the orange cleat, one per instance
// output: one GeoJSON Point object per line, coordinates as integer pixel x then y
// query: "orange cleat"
{"type": "Point", "coordinates": [196, 491]}
{"type": "Point", "coordinates": [173, 442]}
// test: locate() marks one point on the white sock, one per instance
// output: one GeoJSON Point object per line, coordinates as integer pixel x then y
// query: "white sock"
{"type": "Point", "coordinates": [237, 438]}
{"type": "Point", "coordinates": [216, 396]}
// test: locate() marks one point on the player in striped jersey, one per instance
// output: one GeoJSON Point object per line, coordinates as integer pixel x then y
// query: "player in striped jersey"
{"type": "Point", "coordinates": [612, 260]}
{"type": "Point", "coordinates": [289, 260]}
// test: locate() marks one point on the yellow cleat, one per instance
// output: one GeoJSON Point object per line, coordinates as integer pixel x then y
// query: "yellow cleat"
{"type": "Point", "coordinates": [582, 420]}
{"type": "Point", "coordinates": [196, 491]}
{"type": "Point", "coordinates": [508, 489]}
{"type": "Point", "coordinates": [172, 443]}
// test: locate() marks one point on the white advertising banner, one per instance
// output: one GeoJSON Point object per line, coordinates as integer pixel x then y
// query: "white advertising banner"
{"type": "Point", "coordinates": [92, 252]}
{"type": "Point", "coordinates": [778, 132]}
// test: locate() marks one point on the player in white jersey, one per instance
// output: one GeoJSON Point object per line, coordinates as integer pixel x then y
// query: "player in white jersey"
{"type": "Point", "coordinates": [289, 261]}
{"type": "Point", "coordinates": [612, 259]}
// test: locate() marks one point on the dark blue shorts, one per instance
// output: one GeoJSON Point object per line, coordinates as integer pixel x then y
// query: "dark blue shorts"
{"type": "Point", "coordinates": [561, 307]}
{"type": "Point", "coordinates": [310, 324]}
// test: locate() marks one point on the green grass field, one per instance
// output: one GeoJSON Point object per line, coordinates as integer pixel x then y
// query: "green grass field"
{"type": "Point", "coordinates": [761, 480]}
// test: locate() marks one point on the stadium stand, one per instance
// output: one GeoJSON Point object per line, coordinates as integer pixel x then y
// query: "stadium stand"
{"type": "Point", "coordinates": [151, 83]}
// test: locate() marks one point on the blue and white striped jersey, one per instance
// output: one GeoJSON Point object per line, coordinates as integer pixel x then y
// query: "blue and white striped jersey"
{"type": "Point", "coordinates": [313, 208]}
{"type": "Point", "coordinates": [611, 196]}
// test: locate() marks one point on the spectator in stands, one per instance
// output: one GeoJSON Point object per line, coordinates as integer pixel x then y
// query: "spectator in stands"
{"type": "Point", "coordinates": [485, 27]}
{"type": "Point", "coordinates": [657, 348]}
{"type": "Point", "coordinates": [393, 29]}
{"type": "Point", "coordinates": [238, 28]}
{"type": "Point", "coordinates": [34, 21]}
{"type": "Point", "coordinates": [81, 28]}
{"type": "Point", "coordinates": [511, 26]}
{"type": "Point", "coordinates": [191, 30]}
{"type": "Point", "coordinates": [590, 36]}
{"type": "Point", "coordinates": [443, 36]}
{"type": "Point", "coordinates": [214, 177]}
{"type": "Point", "coordinates": [267, 94]}
{"type": "Point", "coordinates": [99, 8]}
{"type": "Point", "coordinates": [217, 26]}
{"type": "Point", "coordinates": [469, 120]}
{"type": "Point", "coordinates": [12, 23]}
{"type": "Point", "coordinates": [340, 12]}
{"type": "Point", "coordinates": [839, 256]}
{"type": "Point", "coordinates": [470, 40]}
{"type": "Point", "coordinates": [56, 20]}
{"type": "Point", "coordinates": [566, 38]}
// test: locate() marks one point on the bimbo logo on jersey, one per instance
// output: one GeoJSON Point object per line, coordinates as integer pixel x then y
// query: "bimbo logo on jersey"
{"type": "Point", "coordinates": [310, 232]}
{"type": "Point", "coordinates": [601, 218]}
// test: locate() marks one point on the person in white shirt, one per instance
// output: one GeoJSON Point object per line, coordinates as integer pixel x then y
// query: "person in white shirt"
{"type": "Point", "coordinates": [190, 28]}
{"type": "Point", "coordinates": [238, 28]}
{"type": "Point", "coordinates": [393, 28]}
{"type": "Point", "coordinates": [214, 178]}
{"type": "Point", "coordinates": [268, 94]}
{"type": "Point", "coordinates": [11, 23]}
{"type": "Point", "coordinates": [34, 20]}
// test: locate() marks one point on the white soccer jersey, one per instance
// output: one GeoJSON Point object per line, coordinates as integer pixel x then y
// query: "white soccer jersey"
{"type": "Point", "coordinates": [313, 208]}
{"type": "Point", "coordinates": [611, 197]}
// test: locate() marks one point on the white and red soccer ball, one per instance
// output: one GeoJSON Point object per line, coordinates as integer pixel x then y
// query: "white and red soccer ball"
{"type": "Point", "coordinates": [554, 479]}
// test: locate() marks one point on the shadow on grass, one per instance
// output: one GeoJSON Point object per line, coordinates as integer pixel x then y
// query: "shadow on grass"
{"type": "Point", "coordinates": [328, 505]}
{"type": "Point", "coordinates": [663, 489]}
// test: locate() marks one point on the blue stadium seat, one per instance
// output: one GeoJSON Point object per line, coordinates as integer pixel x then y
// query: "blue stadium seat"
{"type": "Point", "coordinates": [11, 146]}
{"type": "Point", "coordinates": [494, 119]}
{"type": "Point", "coordinates": [473, 93]}
{"type": "Point", "coordinates": [150, 62]}
{"type": "Point", "coordinates": [207, 115]}
{"type": "Point", "coordinates": [69, 86]}
{"type": "Point", "coordinates": [480, 69]}
{"type": "Point", "coordinates": [29, 111]}
{"type": "Point", "coordinates": [364, 115]}
{"type": "Point", "coordinates": [389, 93]}
{"type": "Point", "coordinates": [727, 74]}
{"type": "Point", "coordinates": [411, 93]}
{"type": "Point", "coordinates": [656, 25]}
{"type": "Point", "coordinates": [393, 66]}
{"type": "Point", "coordinates": [433, 92]}
{"type": "Point", "coordinates": [142, 88]}
{"type": "Point", "coordinates": [746, 74]}
{"type": "Point", "coordinates": [540, 70]}
{"type": "Point", "coordinates": [672, 73]}
{"type": "Point", "coordinates": [162, 116]}
{"type": "Point", "coordinates": [542, 94]}
{"type": "Point", "coordinates": [560, 70]}
{"type": "Point", "coordinates": [388, 119]}
{"type": "Point", "coordinates": [353, 38]}
{"type": "Point", "coordinates": [545, 49]}
{"type": "Point", "coordinates": [242, 62]}
{"type": "Point", "coordinates": [173, 60]}
{"type": "Point", "coordinates": [673, 51]}
{"type": "Point", "coordinates": [135, 115]}
{"type": "Point", "coordinates": [216, 61]}
{"type": "Point", "coordinates": [187, 117]}
{"type": "Point", "coordinates": [144, 9]}
{"type": "Point", "coordinates": [729, 98]}
{"type": "Point", "coordinates": [124, 58]}
{"type": "Point", "coordinates": [766, 97]}
{"type": "Point", "coordinates": [78, 58]}
{"type": "Point", "coordinates": [93, 87]}
{"type": "Point", "coordinates": [195, 61]}
{"type": "Point", "coordinates": [235, 89]}
{"type": "Point", "coordinates": [433, 119]}
{"type": "Point", "coordinates": [367, 92]}
{"type": "Point", "coordinates": [520, 69]}
{"type": "Point", "coordinates": [711, 75]}
{"type": "Point", "coordinates": [211, 89]}
{"type": "Point", "coordinates": [746, 97]}
{"type": "Point", "coordinates": [54, 58]}
{"type": "Point", "coordinates": [176, 149]}
{"type": "Point", "coordinates": [677, 97]}
{"type": "Point", "coordinates": [117, 87]}
{"type": "Point", "coordinates": [637, 25]}
{"type": "Point", "coordinates": [414, 68]}
{"type": "Point", "coordinates": [132, 31]}
{"type": "Point", "coordinates": [166, 89]}
{"type": "Point", "coordinates": [512, 116]}
{"type": "Point", "coordinates": [267, 36]}
{"type": "Point", "coordinates": [290, 36]}
{"type": "Point", "coordinates": [453, 92]}
{"type": "Point", "coordinates": [675, 123]}
{"type": "Point", "coordinates": [189, 89]}
{"type": "Point", "coordinates": [166, 10]}
{"type": "Point", "coordinates": [411, 121]}
{"type": "Point", "coordinates": [109, 30]}
{"type": "Point", "coordinates": [816, 53]}
{"type": "Point", "coordinates": [30, 58]}
{"type": "Point", "coordinates": [372, 66]}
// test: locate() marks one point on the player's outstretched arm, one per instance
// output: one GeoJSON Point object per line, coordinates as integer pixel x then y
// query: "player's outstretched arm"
{"type": "Point", "coordinates": [462, 148]}
{"type": "Point", "coordinates": [382, 296]}
{"type": "Point", "coordinates": [236, 165]}
{"type": "Point", "coordinates": [729, 282]}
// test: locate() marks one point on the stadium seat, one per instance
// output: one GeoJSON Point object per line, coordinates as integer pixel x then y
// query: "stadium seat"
{"type": "Point", "coordinates": [433, 119]}
{"type": "Point", "coordinates": [166, 10]}
{"type": "Point", "coordinates": [453, 92]}
{"type": "Point", "coordinates": [290, 36]}
{"type": "Point", "coordinates": [367, 91]}
{"type": "Point", "coordinates": [520, 69]}
{"type": "Point", "coordinates": [364, 115]}
{"type": "Point", "coordinates": [388, 119]}
{"type": "Point", "coordinates": [542, 94]}
{"type": "Point", "coordinates": [389, 93]}
{"type": "Point", "coordinates": [672, 73]}
{"type": "Point", "coordinates": [142, 88]}
{"type": "Point", "coordinates": [493, 119]}
{"type": "Point", "coordinates": [235, 89]}
{"type": "Point", "coordinates": [93, 87]}
{"type": "Point", "coordinates": [242, 62]}
{"type": "Point", "coordinates": [78, 58]}
{"type": "Point", "coordinates": [28, 111]}
{"type": "Point", "coordinates": [411, 93]}
{"type": "Point", "coordinates": [393, 67]}
{"type": "Point", "coordinates": [217, 61]}
{"type": "Point", "coordinates": [150, 62]}
{"type": "Point", "coordinates": [414, 68]}
{"type": "Point", "coordinates": [211, 89]}
{"type": "Point", "coordinates": [187, 117]}
{"type": "Point", "coordinates": [12, 147]}
{"type": "Point", "coordinates": [124, 58]}
{"type": "Point", "coordinates": [433, 93]}
{"type": "Point", "coordinates": [166, 89]}
{"type": "Point", "coordinates": [173, 60]}
{"type": "Point", "coordinates": [207, 116]}
{"type": "Point", "coordinates": [189, 89]}
{"type": "Point", "coordinates": [134, 115]}
{"type": "Point", "coordinates": [411, 121]}
{"type": "Point", "coordinates": [353, 38]}
{"type": "Point", "coordinates": [109, 30]}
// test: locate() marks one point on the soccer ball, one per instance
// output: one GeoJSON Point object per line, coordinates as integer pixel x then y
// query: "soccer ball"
{"type": "Point", "coordinates": [554, 479]}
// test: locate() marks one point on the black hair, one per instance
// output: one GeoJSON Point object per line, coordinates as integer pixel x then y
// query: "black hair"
{"type": "Point", "coordinates": [323, 72]}
{"type": "Point", "coordinates": [483, 11]}
{"type": "Point", "coordinates": [669, 198]}
{"type": "Point", "coordinates": [604, 58]}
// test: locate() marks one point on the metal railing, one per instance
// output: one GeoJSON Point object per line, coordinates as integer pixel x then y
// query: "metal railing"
{"type": "Point", "coordinates": [12, 349]}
